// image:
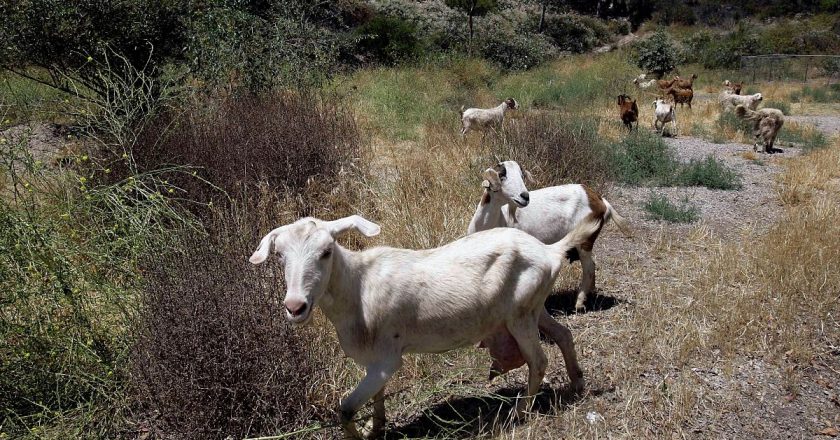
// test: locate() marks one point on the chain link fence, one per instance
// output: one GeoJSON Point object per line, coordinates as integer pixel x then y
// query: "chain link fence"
{"type": "Point", "coordinates": [784, 67]}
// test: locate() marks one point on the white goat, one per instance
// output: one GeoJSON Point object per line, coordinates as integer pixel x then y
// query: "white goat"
{"type": "Point", "coordinates": [729, 100]}
{"type": "Point", "coordinates": [644, 85]}
{"type": "Point", "coordinates": [484, 118]}
{"type": "Point", "coordinates": [384, 302]}
{"type": "Point", "coordinates": [665, 113]}
{"type": "Point", "coordinates": [550, 214]}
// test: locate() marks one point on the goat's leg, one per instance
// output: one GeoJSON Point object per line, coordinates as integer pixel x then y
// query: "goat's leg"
{"type": "Point", "coordinates": [587, 279]}
{"type": "Point", "coordinates": [378, 422]}
{"type": "Point", "coordinates": [377, 374]}
{"type": "Point", "coordinates": [526, 333]}
{"type": "Point", "coordinates": [561, 335]}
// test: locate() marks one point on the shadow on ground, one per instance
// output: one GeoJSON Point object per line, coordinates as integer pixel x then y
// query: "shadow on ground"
{"type": "Point", "coordinates": [563, 302]}
{"type": "Point", "coordinates": [470, 417]}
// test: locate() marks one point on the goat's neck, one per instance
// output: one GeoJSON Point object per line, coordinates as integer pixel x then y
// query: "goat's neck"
{"type": "Point", "coordinates": [488, 214]}
{"type": "Point", "coordinates": [503, 107]}
{"type": "Point", "coordinates": [342, 300]}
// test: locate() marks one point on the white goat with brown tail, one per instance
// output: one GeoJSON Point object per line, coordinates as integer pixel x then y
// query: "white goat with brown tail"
{"type": "Point", "coordinates": [766, 125]}
{"type": "Point", "coordinates": [484, 118]}
{"type": "Point", "coordinates": [384, 302]}
{"type": "Point", "coordinates": [548, 214]}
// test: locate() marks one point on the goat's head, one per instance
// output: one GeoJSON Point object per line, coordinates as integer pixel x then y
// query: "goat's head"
{"type": "Point", "coordinates": [512, 104]}
{"type": "Point", "coordinates": [658, 102]}
{"type": "Point", "coordinates": [622, 99]}
{"type": "Point", "coordinates": [758, 97]}
{"type": "Point", "coordinates": [507, 179]}
{"type": "Point", "coordinates": [306, 249]}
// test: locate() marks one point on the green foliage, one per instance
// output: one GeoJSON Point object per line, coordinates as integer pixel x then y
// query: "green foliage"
{"type": "Point", "coordinates": [715, 51]}
{"type": "Point", "coordinates": [575, 33]}
{"type": "Point", "coordinates": [804, 136]}
{"type": "Point", "coordinates": [781, 105]}
{"type": "Point", "coordinates": [657, 54]}
{"type": "Point", "coordinates": [675, 13]}
{"type": "Point", "coordinates": [474, 8]}
{"type": "Point", "coordinates": [644, 158]}
{"type": "Point", "coordinates": [660, 208]}
{"type": "Point", "coordinates": [388, 39]}
{"type": "Point", "coordinates": [69, 247]}
{"type": "Point", "coordinates": [516, 51]}
{"type": "Point", "coordinates": [822, 94]}
{"type": "Point", "coordinates": [709, 173]}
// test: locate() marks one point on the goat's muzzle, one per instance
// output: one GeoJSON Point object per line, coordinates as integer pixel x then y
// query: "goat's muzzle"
{"type": "Point", "coordinates": [296, 309]}
{"type": "Point", "coordinates": [523, 199]}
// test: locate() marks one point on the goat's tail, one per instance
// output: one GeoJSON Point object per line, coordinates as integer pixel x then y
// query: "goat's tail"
{"type": "Point", "coordinates": [745, 113]}
{"type": "Point", "coordinates": [579, 235]}
{"type": "Point", "coordinates": [619, 221]}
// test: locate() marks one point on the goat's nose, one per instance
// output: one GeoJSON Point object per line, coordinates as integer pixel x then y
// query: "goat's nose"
{"type": "Point", "coordinates": [295, 307]}
{"type": "Point", "coordinates": [525, 196]}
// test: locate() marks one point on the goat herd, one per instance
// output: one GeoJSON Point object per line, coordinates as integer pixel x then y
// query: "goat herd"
{"type": "Point", "coordinates": [766, 121]}
{"type": "Point", "coordinates": [488, 287]}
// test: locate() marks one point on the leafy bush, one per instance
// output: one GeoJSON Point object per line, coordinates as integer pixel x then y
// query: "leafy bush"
{"type": "Point", "coordinates": [288, 140]}
{"type": "Point", "coordinates": [643, 158]}
{"type": "Point", "coordinates": [575, 33]}
{"type": "Point", "coordinates": [675, 13]}
{"type": "Point", "coordinates": [657, 54]}
{"type": "Point", "coordinates": [66, 290]}
{"type": "Point", "coordinates": [660, 208]}
{"type": "Point", "coordinates": [708, 172]}
{"type": "Point", "coordinates": [215, 357]}
{"type": "Point", "coordinates": [388, 39]}
{"type": "Point", "coordinates": [515, 51]}
{"type": "Point", "coordinates": [805, 136]}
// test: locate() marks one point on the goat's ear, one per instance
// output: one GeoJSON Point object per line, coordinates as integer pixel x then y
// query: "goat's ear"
{"type": "Point", "coordinates": [354, 222]}
{"type": "Point", "coordinates": [529, 177]}
{"type": "Point", "coordinates": [261, 254]}
{"type": "Point", "coordinates": [491, 176]}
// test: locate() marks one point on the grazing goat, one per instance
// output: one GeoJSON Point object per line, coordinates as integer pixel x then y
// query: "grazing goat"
{"type": "Point", "coordinates": [484, 118]}
{"type": "Point", "coordinates": [628, 111]}
{"type": "Point", "coordinates": [766, 125]}
{"type": "Point", "coordinates": [729, 100]}
{"type": "Point", "coordinates": [681, 96]}
{"type": "Point", "coordinates": [665, 84]}
{"type": "Point", "coordinates": [665, 112]}
{"type": "Point", "coordinates": [548, 214]}
{"type": "Point", "coordinates": [385, 302]}
{"type": "Point", "coordinates": [733, 87]}
{"type": "Point", "coordinates": [686, 83]}
{"type": "Point", "coordinates": [640, 82]}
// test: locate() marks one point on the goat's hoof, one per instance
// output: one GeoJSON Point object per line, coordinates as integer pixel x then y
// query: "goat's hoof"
{"type": "Point", "coordinates": [373, 430]}
{"type": "Point", "coordinates": [578, 385]}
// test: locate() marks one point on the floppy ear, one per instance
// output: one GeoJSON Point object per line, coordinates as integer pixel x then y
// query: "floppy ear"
{"type": "Point", "coordinates": [491, 176]}
{"type": "Point", "coordinates": [529, 177]}
{"type": "Point", "coordinates": [261, 254]}
{"type": "Point", "coordinates": [355, 222]}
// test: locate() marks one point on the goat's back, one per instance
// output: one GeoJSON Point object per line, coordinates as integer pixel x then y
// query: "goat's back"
{"type": "Point", "coordinates": [552, 212]}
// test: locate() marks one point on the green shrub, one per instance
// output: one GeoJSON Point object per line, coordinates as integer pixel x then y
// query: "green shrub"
{"type": "Point", "coordinates": [388, 39]}
{"type": "Point", "coordinates": [575, 33]}
{"type": "Point", "coordinates": [660, 208]}
{"type": "Point", "coordinates": [822, 94]}
{"type": "Point", "coordinates": [708, 172]}
{"type": "Point", "coordinates": [805, 136]}
{"type": "Point", "coordinates": [781, 105]}
{"type": "Point", "coordinates": [516, 51]}
{"type": "Point", "coordinates": [675, 13]}
{"type": "Point", "coordinates": [722, 51]}
{"type": "Point", "coordinates": [657, 54]}
{"type": "Point", "coordinates": [643, 158]}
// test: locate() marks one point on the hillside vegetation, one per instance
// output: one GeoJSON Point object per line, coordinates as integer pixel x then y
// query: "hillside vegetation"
{"type": "Point", "coordinates": [141, 160]}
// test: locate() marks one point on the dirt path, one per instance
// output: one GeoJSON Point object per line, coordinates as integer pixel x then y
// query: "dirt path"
{"type": "Point", "coordinates": [757, 400]}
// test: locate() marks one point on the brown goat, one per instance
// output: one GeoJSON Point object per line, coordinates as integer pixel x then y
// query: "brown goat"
{"type": "Point", "coordinates": [686, 83]}
{"type": "Point", "coordinates": [664, 84]}
{"type": "Point", "coordinates": [628, 111]}
{"type": "Point", "coordinates": [681, 96]}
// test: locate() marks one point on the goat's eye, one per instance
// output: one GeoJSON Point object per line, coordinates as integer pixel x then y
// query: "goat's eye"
{"type": "Point", "coordinates": [326, 254]}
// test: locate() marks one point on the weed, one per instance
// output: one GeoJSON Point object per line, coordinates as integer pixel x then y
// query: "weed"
{"type": "Point", "coordinates": [660, 208]}
{"type": "Point", "coordinates": [805, 136]}
{"type": "Point", "coordinates": [708, 172]}
{"type": "Point", "coordinates": [644, 158]}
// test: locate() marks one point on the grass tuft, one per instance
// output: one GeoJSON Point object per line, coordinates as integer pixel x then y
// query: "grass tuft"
{"type": "Point", "coordinates": [708, 172]}
{"type": "Point", "coordinates": [659, 207]}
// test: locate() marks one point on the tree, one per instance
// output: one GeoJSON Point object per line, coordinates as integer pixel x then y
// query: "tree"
{"type": "Point", "coordinates": [657, 54]}
{"type": "Point", "coordinates": [545, 4]}
{"type": "Point", "coordinates": [473, 8]}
